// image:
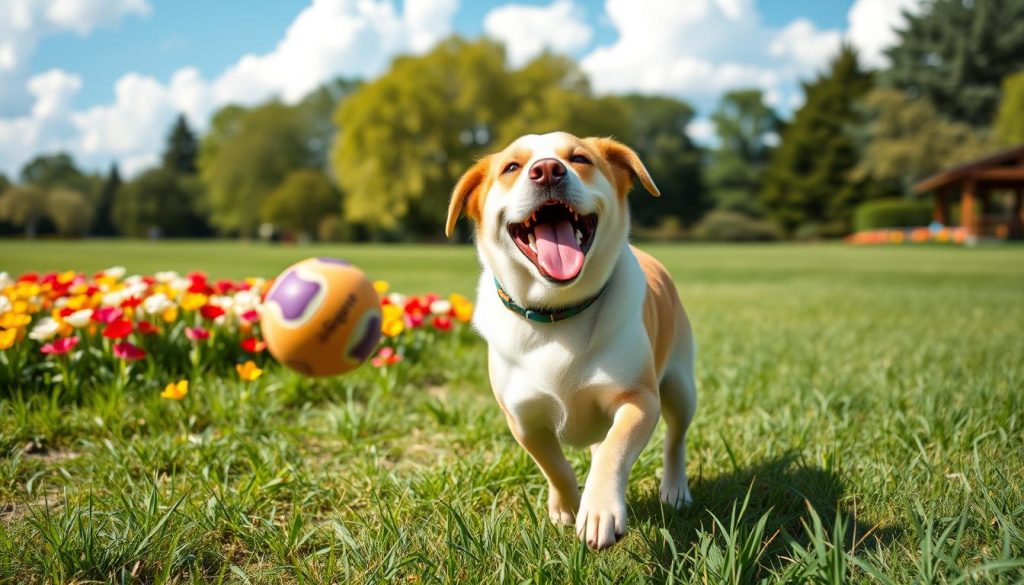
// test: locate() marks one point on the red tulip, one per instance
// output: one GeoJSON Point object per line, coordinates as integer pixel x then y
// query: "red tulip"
{"type": "Point", "coordinates": [197, 333]}
{"type": "Point", "coordinates": [128, 352]}
{"type": "Point", "coordinates": [60, 346]}
{"type": "Point", "coordinates": [118, 329]}
{"type": "Point", "coordinates": [130, 302]}
{"type": "Point", "coordinates": [211, 312]}
{"type": "Point", "coordinates": [250, 316]}
{"type": "Point", "coordinates": [442, 323]}
{"type": "Point", "coordinates": [147, 328]}
{"type": "Point", "coordinates": [253, 345]}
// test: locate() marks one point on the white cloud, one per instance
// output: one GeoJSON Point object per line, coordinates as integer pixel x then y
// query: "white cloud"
{"type": "Point", "coordinates": [701, 130]}
{"type": "Point", "coordinates": [527, 30]}
{"type": "Point", "coordinates": [873, 25]}
{"type": "Point", "coordinates": [699, 48]}
{"type": "Point", "coordinates": [326, 39]}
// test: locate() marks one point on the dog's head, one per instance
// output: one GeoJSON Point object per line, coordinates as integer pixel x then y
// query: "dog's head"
{"type": "Point", "coordinates": [551, 213]}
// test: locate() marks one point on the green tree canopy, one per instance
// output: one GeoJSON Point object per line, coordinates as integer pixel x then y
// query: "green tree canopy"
{"type": "Point", "coordinates": [56, 170]}
{"type": "Point", "coordinates": [747, 130]}
{"type": "Point", "coordinates": [300, 202]}
{"type": "Point", "coordinates": [24, 206]}
{"type": "Point", "coordinates": [405, 138]}
{"type": "Point", "coordinates": [956, 53]}
{"type": "Point", "coordinates": [907, 140]}
{"type": "Point", "coordinates": [70, 211]}
{"type": "Point", "coordinates": [808, 179]}
{"type": "Point", "coordinates": [245, 155]}
{"type": "Point", "coordinates": [657, 132]}
{"type": "Point", "coordinates": [181, 150]}
{"type": "Point", "coordinates": [1009, 124]}
{"type": "Point", "coordinates": [161, 200]}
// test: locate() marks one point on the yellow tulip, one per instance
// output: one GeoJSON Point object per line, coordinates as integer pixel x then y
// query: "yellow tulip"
{"type": "Point", "coordinates": [14, 320]}
{"type": "Point", "coordinates": [248, 371]}
{"type": "Point", "coordinates": [193, 301]}
{"type": "Point", "coordinates": [7, 338]}
{"type": "Point", "coordinates": [175, 390]}
{"type": "Point", "coordinates": [381, 286]}
{"type": "Point", "coordinates": [391, 312]}
{"type": "Point", "coordinates": [392, 327]}
{"type": "Point", "coordinates": [66, 277]}
{"type": "Point", "coordinates": [170, 315]}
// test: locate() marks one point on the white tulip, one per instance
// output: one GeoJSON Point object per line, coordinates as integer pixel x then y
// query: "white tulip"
{"type": "Point", "coordinates": [45, 329]}
{"type": "Point", "coordinates": [79, 319]}
{"type": "Point", "coordinates": [440, 307]}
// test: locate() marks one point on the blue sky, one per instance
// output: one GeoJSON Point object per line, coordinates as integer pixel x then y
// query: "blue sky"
{"type": "Point", "coordinates": [102, 79]}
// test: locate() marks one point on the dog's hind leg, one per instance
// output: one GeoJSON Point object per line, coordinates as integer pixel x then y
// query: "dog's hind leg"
{"type": "Point", "coordinates": [678, 404]}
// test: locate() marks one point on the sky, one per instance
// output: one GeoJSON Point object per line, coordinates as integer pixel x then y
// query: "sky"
{"type": "Point", "coordinates": [104, 79]}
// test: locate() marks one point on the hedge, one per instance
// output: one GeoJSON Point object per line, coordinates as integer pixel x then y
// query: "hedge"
{"type": "Point", "coordinates": [887, 213]}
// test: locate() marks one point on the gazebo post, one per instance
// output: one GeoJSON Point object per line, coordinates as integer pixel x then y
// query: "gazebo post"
{"type": "Point", "coordinates": [968, 204]}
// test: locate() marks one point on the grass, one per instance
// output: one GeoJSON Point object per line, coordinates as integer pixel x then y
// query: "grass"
{"type": "Point", "coordinates": [860, 420]}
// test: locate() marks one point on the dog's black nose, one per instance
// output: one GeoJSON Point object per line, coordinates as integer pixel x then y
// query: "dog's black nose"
{"type": "Point", "coordinates": [547, 172]}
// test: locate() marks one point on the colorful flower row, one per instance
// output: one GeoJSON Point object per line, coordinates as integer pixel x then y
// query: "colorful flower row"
{"type": "Point", "coordinates": [918, 235]}
{"type": "Point", "coordinates": [70, 328]}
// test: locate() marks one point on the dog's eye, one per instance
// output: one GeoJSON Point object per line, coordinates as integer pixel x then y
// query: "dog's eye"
{"type": "Point", "coordinates": [510, 168]}
{"type": "Point", "coordinates": [579, 159]}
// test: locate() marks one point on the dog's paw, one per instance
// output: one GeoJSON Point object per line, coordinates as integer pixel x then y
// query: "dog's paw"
{"type": "Point", "coordinates": [676, 494]}
{"type": "Point", "coordinates": [601, 521]}
{"type": "Point", "coordinates": [562, 508]}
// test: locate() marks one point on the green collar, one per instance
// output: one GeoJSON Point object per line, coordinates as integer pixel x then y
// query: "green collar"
{"type": "Point", "coordinates": [544, 315]}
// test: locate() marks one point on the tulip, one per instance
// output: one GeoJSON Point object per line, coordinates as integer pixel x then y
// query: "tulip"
{"type": "Point", "coordinates": [118, 329]}
{"type": "Point", "coordinates": [45, 329]}
{"type": "Point", "coordinates": [7, 338]}
{"type": "Point", "coordinates": [248, 371]}
{"type": "Point", "coordinates": [60, 346]}
{"type": "Point", "coordinates": [175, 390]}
{"type": "Point", "coordinates": [79, 318]}
{"type": "Point", "coordinates": [197, 333]}
{"type": "Point", "coordinates": [147, 328]}
{"type": "Point", "coordinates": [442, 323]}
{"type": "Point", "coordinates": [253, 345]}
{"type": "Point", "coordinates": [128, 352]}
{"type": "Point", "coordinates": [211, 312]}
{"type": "Point", "coordinates": [386, 357]}
{"type": "Point", "coordinates": [107, 314]}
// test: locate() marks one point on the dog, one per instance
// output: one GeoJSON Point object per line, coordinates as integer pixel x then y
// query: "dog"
{"type": "Point", "coordinates": [587, 338]}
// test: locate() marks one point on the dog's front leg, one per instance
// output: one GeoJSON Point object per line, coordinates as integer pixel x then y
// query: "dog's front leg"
{"type": "Point", "coordinates": [563, 489]}
{"type": "Point", "coordinates": [601, 520]}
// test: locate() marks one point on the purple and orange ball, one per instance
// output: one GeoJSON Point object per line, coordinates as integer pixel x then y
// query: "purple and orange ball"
{"type": "Point", "coordinates": [321, 317]}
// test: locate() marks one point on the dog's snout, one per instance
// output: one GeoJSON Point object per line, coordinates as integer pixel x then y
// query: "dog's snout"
{"type": "Point", "coordinates": [547, 172]}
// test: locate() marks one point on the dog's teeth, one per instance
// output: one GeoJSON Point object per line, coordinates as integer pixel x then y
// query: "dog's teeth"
{"type": "Point", "coordinates": [579, 237]}
{"type": "Point", "coordinates": [534, 216]}
{"type": "Point", "coordinates": [575, 216]}
{"type": "Point", "coordinates": [533, 242]}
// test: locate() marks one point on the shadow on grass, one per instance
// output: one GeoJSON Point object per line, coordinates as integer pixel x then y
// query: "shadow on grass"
{"type": "Point", "coordinates": [783, 488]}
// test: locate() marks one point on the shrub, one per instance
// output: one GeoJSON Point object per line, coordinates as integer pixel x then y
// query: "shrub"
{"type": "Point", "coordinates": [731, 226]}
{"type": "Point", "coordinates": [885, 213]}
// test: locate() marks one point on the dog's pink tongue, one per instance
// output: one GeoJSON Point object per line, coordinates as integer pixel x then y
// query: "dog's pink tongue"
{"type": "Point", "coordinates": [558, 252]}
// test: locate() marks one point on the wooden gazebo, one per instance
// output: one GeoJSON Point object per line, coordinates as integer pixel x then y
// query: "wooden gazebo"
{"type": "Point", "coordinates": [991, 192]}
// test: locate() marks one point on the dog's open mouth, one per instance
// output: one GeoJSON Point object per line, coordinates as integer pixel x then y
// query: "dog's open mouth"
{"type": "Point", "coordinates": [556, 239]}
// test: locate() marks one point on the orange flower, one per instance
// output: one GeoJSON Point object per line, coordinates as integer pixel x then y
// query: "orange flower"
{"type": "Point", "coordinates": [193, 301]}
{"type": "Point", "coordinates": [248, 371]}
{"type": "Point", "coordinates": [170, 315]}
{"type": "Point", "coordinates": [462, 307]}
{"type": "Point", "coordinates": [14, 320]}
{"type": "Point", "coordinates": [175, 390]}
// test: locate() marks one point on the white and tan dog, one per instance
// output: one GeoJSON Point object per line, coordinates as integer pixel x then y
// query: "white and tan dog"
{"type": "Point", "coordinates": [588, 341]}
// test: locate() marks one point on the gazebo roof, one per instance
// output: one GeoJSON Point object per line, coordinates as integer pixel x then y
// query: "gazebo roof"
{"type": "Point", "coordinates": [1002, 168]}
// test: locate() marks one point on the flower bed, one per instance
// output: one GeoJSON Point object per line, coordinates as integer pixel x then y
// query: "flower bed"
{"type": "Point", "coordinates": [68, 330]}
{"type": "Point", "coordinates": [918, 235]}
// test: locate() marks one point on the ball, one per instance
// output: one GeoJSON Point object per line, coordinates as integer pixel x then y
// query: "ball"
{"type": "Point", "coordinates": [321, 317]}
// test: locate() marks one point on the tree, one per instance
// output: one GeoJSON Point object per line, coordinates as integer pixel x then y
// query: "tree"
{"type": "Point", "coordinates": [658, 134]}
{"type": "Point", "coordinates": [245, 155]}
{"type": "Point", "coordinates": [318, 109]}
{"type": "Point", "coordinates": [56, 170]}
{"type": "Point", "coordinates": [103, 222]}
{"type": "Point", "coordinates": [301, 201]}
{"type": "Point", "coordinates": [747, 130]}
{"type": "Point", "coordinates": [405, 138]}
{"type": "Point", "coordinates": [70, 211]}
{"type": "Point", "coordinates": [1009, 124]}
{"type": "Point", "coordinates": [808, 179]}
{"type": "Point", "coordinates": [5, 183]}
{"type": "Point", "coordinates": [24, 206]}
{"type": "Point", "coordinates": [955, 53]}
{"type": "Point", "coordinates": [159, 201]}
{"type": "Point", "coordinates": [182, 149]}
{"type": "Point", "coordinates": [907, 139]}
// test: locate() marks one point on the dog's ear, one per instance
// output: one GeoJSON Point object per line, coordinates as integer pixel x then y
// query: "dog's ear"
{"type": "Point", "coordinates": [467, 194]}
{"type": "Point", "coordinates": [626, 165]}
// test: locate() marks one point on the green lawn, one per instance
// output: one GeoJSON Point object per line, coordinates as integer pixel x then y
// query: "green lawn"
{"type": "Point", "coordinates": [861, 419]}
